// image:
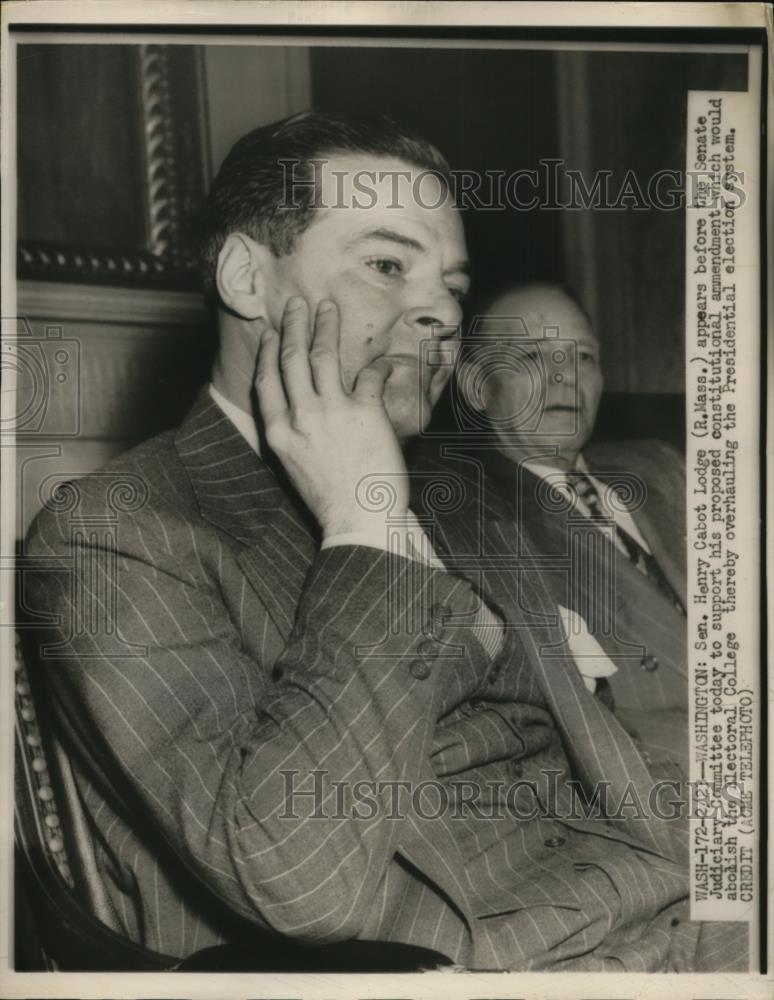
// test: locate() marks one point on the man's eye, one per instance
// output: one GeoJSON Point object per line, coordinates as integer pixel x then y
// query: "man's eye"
{"type": "Point", "coordinates": [587, 356]}
{"type": "Point", "coordinates": [457, 293]}
{"type": "Point", "coordinates": [386, 266]}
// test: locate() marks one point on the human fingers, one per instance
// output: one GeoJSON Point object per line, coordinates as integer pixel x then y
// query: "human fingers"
{"type": "Point", "coordinates": [324, 353]}
{"type": "Point", "coordinates": [443, 363]}
{"type": "Point", "coordinates": [369, 384]}
{"type": "Point", "coordinates": [272, 401]}
{"type": "Point", "coordinates": [294, 351]}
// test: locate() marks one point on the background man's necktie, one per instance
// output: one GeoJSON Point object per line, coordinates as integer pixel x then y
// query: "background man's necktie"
{"type": "Point", "coordinates": [642, 559]}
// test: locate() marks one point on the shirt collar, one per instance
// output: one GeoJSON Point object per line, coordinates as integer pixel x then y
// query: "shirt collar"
{"type": "Point", "coordinates": [243, 422]}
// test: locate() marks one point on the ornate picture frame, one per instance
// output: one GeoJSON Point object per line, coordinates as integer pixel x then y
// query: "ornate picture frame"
{"type": "Point", "coordinates": [159, 96]}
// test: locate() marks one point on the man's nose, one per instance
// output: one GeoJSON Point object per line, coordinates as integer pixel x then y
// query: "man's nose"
{"type": "Point", "coordinates": [441, 310]}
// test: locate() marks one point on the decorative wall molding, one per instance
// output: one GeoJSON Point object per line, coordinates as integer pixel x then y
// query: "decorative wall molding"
{"type": "Point", "coordinates": [61, 263]}
{"type": "Point", "coordinates": [159, 149]}
{"type": "Point", "coordinates": [169, 81]}
{"type": "Point", "coordinates": [57, 301]}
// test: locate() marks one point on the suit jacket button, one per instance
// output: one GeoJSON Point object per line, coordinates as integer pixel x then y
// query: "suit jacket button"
{"type": "Point", "coordinates": [516, 769]}
{"type": "Point", "coordinates": [554, 842]}
{"type": "Point", "coordinates": [649, 663]}
{"type": "Point", "coordinates": [419, 669]}
{"type": "Point", "coordinates": [427, 648]}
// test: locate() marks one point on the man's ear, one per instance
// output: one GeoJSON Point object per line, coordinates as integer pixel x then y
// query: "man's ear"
{"type": "Point", "coordinates": [242, 275]}
{"type": "Point", "coordinates": [469, 384]}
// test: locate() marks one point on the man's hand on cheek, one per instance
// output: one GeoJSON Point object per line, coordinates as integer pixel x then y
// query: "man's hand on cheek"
{"type": "Point", "coordinates": [443, 361]}
{"type": "Point", "coordinates": [336, 446]}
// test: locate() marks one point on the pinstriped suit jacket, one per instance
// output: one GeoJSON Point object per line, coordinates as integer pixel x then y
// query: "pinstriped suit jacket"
{"type": "Point", "coordinates": [225, 688]}
{"type": "Point", "coordinates": [636, 624]}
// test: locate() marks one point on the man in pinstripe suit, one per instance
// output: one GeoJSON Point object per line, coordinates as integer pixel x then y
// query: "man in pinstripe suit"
{"type": "Point", "coordinates": [624, 573]}
{"type": "Point", "coordinates": [292, 707]}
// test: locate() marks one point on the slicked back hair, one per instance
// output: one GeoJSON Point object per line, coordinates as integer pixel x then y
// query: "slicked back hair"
{"type": "Point", "coordinates": [252, 191]}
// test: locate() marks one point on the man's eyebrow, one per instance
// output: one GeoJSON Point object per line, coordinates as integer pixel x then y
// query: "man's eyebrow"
{"type": "Point", "coordinates": [392, 236]}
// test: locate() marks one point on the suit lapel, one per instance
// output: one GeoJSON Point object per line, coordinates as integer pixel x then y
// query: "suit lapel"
{"type": "Point", "coordinates": [279, 591]}
{"type": "Point", "coordinates": [240, 495]}
{"type": "Point", "coordinates": [547, 528]}
{"type": "Point", "coordinates": [647, 520]}
{"type": "Point", "coordinates": [655, 518]}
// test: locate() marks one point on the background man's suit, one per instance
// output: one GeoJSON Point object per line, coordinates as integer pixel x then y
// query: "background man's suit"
{"type": "Point", "coordinates": [257, 660]}
{"type": "Point", "coordinates": [647, 642]}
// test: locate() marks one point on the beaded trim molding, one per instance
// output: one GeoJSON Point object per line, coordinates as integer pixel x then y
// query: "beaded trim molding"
{"type": "Point", "coordinates": [38, 776]}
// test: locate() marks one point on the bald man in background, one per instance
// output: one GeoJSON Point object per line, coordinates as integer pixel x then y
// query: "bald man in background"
{"type": "Point", "coordinates": [611, 516]}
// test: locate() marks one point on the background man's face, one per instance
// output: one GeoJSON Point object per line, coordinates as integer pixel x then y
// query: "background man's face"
{"type": "Point", "coordinates": [543, 388]}
{"type": "Point", "coordinates": [396, 268]}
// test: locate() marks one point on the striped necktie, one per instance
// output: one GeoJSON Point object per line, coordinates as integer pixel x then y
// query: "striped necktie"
{"type": "Point", "coordinates": [640, 557]}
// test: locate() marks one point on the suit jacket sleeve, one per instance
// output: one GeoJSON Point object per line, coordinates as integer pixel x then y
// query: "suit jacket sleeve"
{"type": "Point", "coordinates": [345, 703]}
